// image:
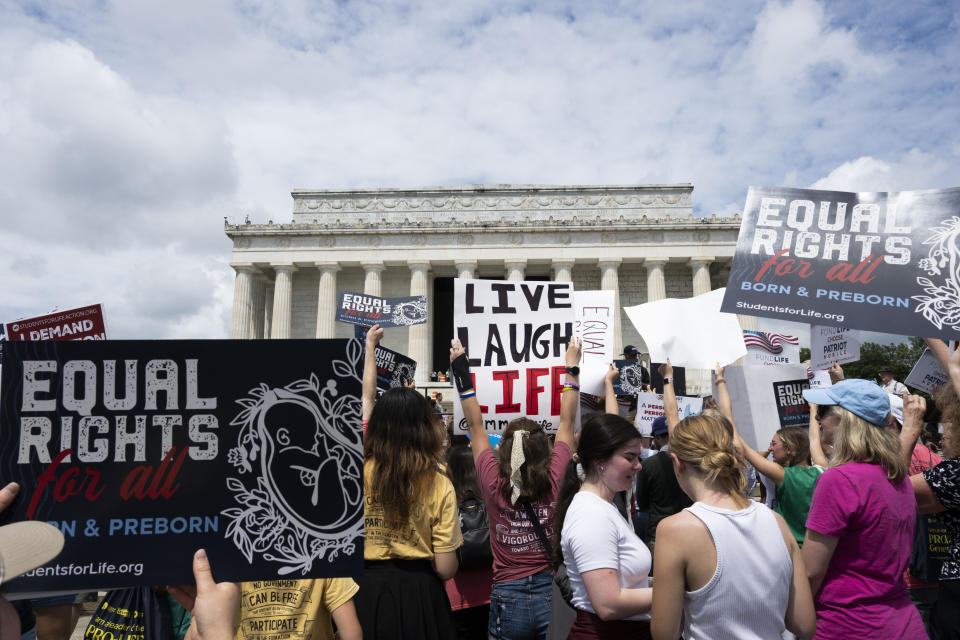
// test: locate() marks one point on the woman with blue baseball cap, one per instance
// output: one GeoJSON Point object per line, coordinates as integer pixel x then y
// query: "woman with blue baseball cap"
{"type": "Point", "coordinates": [861, 522]}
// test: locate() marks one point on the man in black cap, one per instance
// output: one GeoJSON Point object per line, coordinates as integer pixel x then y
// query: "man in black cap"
{"type": "Point", "coordinates": [890, 385]}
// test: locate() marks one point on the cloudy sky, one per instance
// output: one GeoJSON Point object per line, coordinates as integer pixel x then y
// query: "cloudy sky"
{"type": "Point", "coordinates": [130, 129]}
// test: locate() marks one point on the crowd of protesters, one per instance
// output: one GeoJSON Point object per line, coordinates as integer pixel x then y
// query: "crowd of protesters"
{"type": "Point", "coordinates": [535, 536]}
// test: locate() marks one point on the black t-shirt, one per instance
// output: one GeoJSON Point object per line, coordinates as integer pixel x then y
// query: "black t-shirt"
{"type": "Point", "coordinates": [944, 480]}
{"type": "Point", "coordinates": [659, 492]}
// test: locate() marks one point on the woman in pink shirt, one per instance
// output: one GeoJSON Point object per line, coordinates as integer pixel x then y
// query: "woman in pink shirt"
{"type": "Point", "coordinates": [861, 522]}
{"type": "Point", "coordinates": [519, 486]}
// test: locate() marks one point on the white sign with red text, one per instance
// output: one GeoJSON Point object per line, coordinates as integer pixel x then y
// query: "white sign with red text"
{"type": "Point", "coordinates": [516, 335]}
{"type": "Point", "coordinates": [650, 407]}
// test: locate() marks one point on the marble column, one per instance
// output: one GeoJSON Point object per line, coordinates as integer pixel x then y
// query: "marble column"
{"type": "Point", "coordinates": [259, 300]}
{"type": "Point", "coordinates": [515, 269]}
{"type": "Point", "coordinates": [466, 269]}
{"type": "Point", "coordinates": [282, 301]}
{"type": "Point", "coordinates": [327, 299]}
{"type": "Point", "coordinates": [656, 282]}
{"type": "Point", "coordinates": [267, 309]}
{"type": "Point", "coordinates": [418, 341]}
{"type": "Point", "coordinates": [563, 270]}
{"type": "Point", "coordinates": [700, 268]}
{"type": "Point", "coordinates": [371, 278]}
{"type": "Point", "coordinates": [241, 318]}
{"type": "Point", "coordinates": [610, 281]}
{"type": "Point", "coordinates": [701, 274]}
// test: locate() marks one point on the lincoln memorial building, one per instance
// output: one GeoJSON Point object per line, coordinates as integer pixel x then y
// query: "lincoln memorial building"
{"type": "Point", "coordinates": [641, 241]}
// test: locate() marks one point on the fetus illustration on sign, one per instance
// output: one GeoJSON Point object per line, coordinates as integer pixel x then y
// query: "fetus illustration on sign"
{"type": "Point", "coordinates": [299, 460]}
{"type": "Point", "coordinates": [410, 312]}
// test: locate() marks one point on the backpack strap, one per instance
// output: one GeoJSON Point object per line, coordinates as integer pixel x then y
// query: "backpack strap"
{"type": "Point", "coordinates": [535, 521]}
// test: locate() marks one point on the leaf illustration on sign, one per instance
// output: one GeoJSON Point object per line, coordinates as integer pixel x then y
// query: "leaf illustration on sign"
{"type": "Point", "coordinates": [294, 443]}
{"type": "Point", "coordinates": [942, 305]}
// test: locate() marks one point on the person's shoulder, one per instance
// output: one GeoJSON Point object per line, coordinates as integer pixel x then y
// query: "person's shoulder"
{"type": "Point", "coordinates": [682, 523]}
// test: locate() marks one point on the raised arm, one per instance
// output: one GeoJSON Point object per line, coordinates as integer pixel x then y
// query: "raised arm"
{"type": "Point", "coordinates": [570, 395]}
{"type": "Point", "coordinates": [817, 456]}
{"type": "Point", "coordinates": [369, 396]}
{"type": "Point", "coordinates": [836, 372]}
{"type": "Point", "coordinates": [723, 394]}
{"type": "Point", "coordinates": [914, 408]}
{"type": "Point", "coordinates": [609, 395]}
{"type": "Point", "coordinates": [940, 351]}
{"type": "Point", "coordinates": [460, 367]}
{"type": "Point", "coordinates": [670, 408]}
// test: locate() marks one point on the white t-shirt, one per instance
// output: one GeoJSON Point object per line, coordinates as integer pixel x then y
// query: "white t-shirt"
{"type": "Point", "coordinates": [596, 536]}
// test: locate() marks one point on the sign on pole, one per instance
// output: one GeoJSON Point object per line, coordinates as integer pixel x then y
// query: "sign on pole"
{"type": "Point", "coordinates": [516, 334]}
{"type": "Point", "coordinates": [875, 261]}
{"type": "Point", "coordinates": [829, 344]}
{"type": "Point", "coordinates": [142, 452]}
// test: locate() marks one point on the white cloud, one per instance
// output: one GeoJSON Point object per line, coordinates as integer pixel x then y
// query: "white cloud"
{"type": "Point", "coordinates": [915, 170]}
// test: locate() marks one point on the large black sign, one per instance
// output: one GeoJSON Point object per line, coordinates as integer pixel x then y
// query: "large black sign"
{"type": "Point", "coordinates": [792, 409]}
{"type": "Point", "coordinates": [393, 369]}
{"type": "Point", "coordinates": [877, 261]}
{"type": "Point", "coordinates": [142, 452]}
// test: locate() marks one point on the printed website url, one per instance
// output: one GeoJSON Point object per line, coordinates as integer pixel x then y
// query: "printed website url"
{"type": "Point", "coordinates": [803, 313]}
{"type": "Point", "coordinates": [88, 569]}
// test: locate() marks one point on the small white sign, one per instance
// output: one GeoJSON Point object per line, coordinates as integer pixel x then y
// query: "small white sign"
{"type": "Point", "coordinates": [833, 344]}
{"type": "Point", "coordinates": [927, 375]}
{"type": "Point", "coordinates": [650, 407]}
{"type": "Point", "coordinates": [770, 349]}
{"type": "Point", "coordinates": [595, 316]}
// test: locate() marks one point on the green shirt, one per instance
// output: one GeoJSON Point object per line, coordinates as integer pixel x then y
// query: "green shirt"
{"type": "Point", "coordinates": [794, 495]}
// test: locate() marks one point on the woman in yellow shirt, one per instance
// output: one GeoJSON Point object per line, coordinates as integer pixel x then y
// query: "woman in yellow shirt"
{"type": "Point", "coordinates": [412, 530]}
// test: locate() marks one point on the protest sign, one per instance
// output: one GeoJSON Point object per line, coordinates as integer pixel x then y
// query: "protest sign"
{"type": "Point", "coordinates": [595, 315]}
{"type": "Point", "coordinates": [765, 399]}
{"type": "Point", "coordinates": [650, 407]}
{"type": "Point", "coordinates": [927, 375]}
{"type": "Point", "coordinates": [516, 334]}
{"type": "Point", "coordinates": [679, 379]}
{"type": "Point", "coordinates": [791, 407]}
{"type": "Point", "coordinates": [83, 323]}
{"type": "Point", "coordinates": [829, 344]}
{"type": "Point", "coordinates": [632, 377]}
{"type": "Point", "coordinates": [393, 369]}
{"type": "Point", "coordinates": [361, 309]}
{"type": "Point", "coordinates": [142, 452]}
{"type": "Point", "coordinates": [770, 349]}
{"type": "Point", "coordinates": [820, 379]}
{"type": "Point", "coordinates": [691, 332]}
{"type": "Point", "coordinates": [876, 261]}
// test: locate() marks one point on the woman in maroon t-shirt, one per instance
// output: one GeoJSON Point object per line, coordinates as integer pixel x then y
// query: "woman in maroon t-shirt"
{"type": "Point", "coordinates": [525, 479]}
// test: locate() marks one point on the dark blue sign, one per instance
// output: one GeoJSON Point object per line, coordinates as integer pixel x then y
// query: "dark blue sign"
{"type": "Point", "coordinates": [142, 452]}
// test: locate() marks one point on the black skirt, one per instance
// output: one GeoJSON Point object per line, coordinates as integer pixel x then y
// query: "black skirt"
{"type": "Point", "coordinates": [403, 599]}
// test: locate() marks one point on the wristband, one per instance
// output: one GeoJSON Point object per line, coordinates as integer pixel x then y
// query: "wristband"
{"type": "Point", "coordinates": [571, 385]}
{"type": "Point", "coordinates": [468, 394]}
{"type": "Point", "coordinates": [460, 370]}
{"type": "Point", "coordinates": [668, 381]}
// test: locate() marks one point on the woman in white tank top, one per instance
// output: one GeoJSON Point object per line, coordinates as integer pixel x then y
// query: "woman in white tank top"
{"type": "Point", "coordinates": [727, 567]}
